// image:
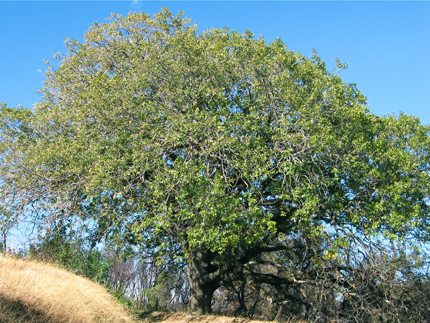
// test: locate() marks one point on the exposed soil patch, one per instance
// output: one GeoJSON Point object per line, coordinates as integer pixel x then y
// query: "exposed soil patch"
{"type": "Point", "coordinates": [162, 317]}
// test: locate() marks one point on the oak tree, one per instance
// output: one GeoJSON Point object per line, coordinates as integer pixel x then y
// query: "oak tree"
{"type": "Point", "coordinates": [214, 148]}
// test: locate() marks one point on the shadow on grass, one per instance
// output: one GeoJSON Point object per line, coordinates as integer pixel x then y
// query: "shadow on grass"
{"type": "Point", "coordinates": [18, 312]}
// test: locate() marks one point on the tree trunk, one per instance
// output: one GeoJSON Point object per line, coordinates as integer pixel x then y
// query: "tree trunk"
{"type": "Point", "coordinates": [200, 299]}
{"type": "Point", "coordinates": [201, 290]}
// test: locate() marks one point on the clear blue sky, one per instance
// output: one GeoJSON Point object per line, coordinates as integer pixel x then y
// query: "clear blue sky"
{"type": "Point", "coordinates": [387, 44]}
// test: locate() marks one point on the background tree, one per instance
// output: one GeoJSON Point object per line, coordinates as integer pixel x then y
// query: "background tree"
{"type": "Point", "coordinates": [215, 149]}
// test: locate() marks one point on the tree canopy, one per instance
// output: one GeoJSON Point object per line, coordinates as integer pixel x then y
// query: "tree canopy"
{"type": "Point", "coordinates": [216, 149]}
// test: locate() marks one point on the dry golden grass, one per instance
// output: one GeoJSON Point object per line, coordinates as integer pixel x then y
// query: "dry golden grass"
{"type": "Point", "coordinates": [31, 291]}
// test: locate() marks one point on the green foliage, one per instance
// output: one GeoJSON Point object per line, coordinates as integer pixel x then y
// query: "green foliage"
{"type": "Point", "coordinates": [122, 298]}
{"type": "Point", "coordinates": [62, 247]}
{"type": "Point", "coordinates": [212, 146]}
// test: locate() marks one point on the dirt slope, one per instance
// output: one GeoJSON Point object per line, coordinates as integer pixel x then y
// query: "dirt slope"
{"type": "Point", "coordinates": [161, 317]}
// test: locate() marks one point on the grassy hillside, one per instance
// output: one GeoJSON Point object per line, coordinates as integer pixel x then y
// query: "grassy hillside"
{"type": "Point", "coordinates": [35, 292]}
{"type": "Point", "coordinates": [31, 291]}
